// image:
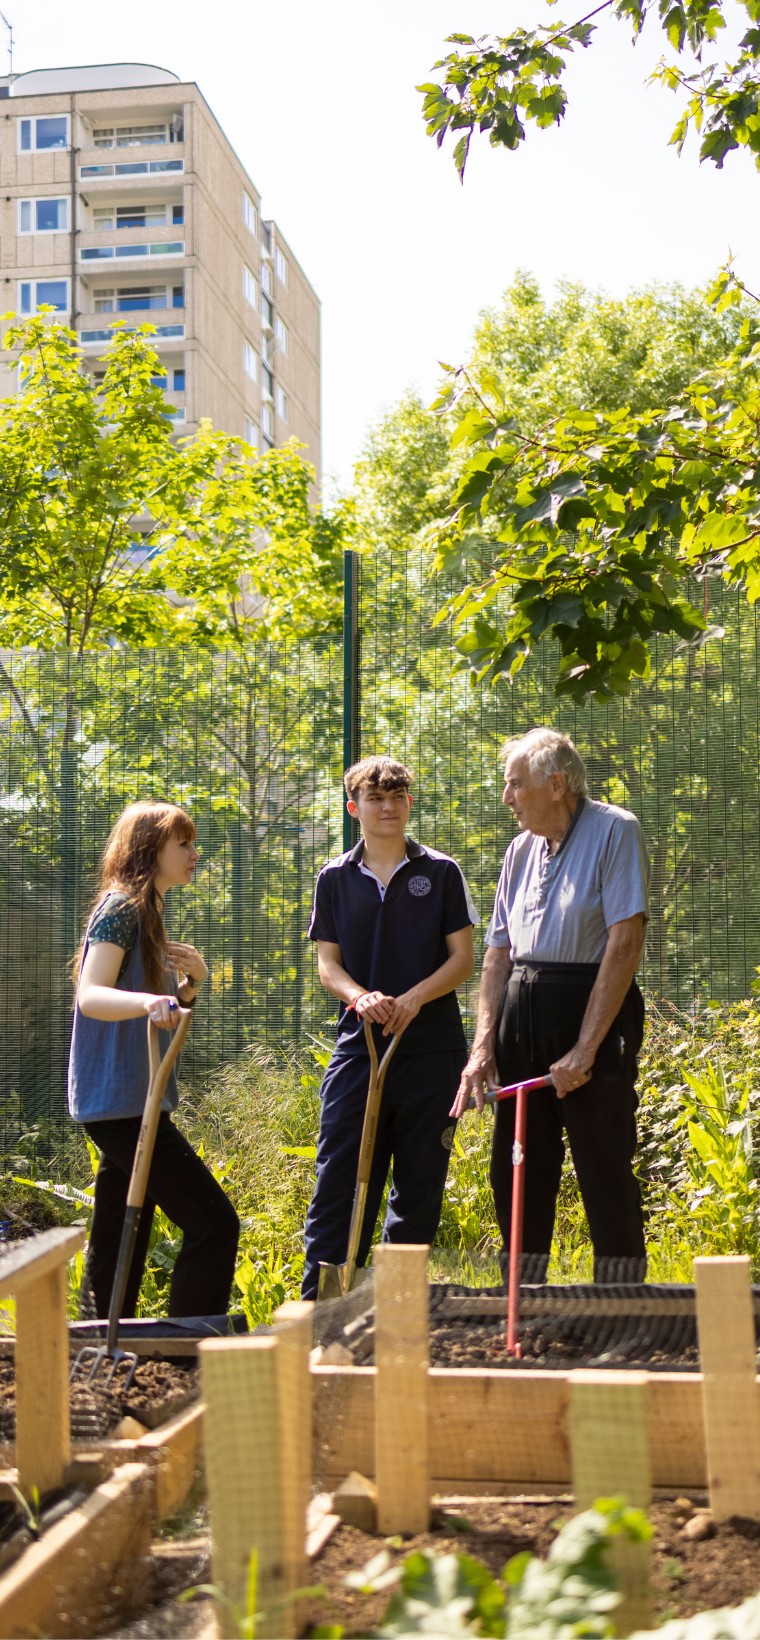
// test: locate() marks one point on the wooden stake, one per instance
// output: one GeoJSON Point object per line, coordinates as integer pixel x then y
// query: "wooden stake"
{"type": "Point", "coordinates": [247, 1483]}
{"type": "Point", "coordinates": [43, 1429]}
{"type": "Point", "coordinates": [726, 1332]}
{"type": "Point", "coordinates": [295, 1331]}
{"type": "Point", "coordinates": [402, 1467]}
{"type": "Point", "coordinates": [610, 1458]}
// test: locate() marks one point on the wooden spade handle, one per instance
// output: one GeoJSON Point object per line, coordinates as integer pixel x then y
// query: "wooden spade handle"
{"type": "Point", "coordinates": [374, 1095]}
{"type": "Point", "coordinates": [160, 1069]}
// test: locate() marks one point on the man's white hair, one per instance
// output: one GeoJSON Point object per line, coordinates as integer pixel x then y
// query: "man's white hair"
{"type": "Point", "coordinates": [546, 752]}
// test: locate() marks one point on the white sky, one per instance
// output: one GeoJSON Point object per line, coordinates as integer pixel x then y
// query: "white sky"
{"type": "Point", "coordinates": [318, 99]}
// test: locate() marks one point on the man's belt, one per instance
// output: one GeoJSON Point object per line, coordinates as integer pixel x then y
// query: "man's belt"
{"type": "Point", "coordinates": [578, 973]}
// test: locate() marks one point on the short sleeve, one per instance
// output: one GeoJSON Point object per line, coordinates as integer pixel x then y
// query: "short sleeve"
{"type": "Point", "coordinates": [625, 873]}
{"type": "Point", "coordinates": [322, 925]}
{"type": "Point", "coordinates": [497, 932]}
{"type": "Point", "coordinates": [115, 923]}
{"type": "Point", "coordinates": [459, 906]}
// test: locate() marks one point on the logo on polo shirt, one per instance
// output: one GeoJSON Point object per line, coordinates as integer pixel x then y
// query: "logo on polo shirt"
{"type": "Point", "coordinates": [419, 886]}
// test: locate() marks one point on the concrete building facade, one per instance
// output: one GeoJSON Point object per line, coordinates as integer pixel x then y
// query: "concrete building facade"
{"type": "Point", "coordinates": [121, 198]}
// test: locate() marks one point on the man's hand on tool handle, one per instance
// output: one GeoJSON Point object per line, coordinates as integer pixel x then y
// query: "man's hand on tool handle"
{"type": "Point", "coordinates": [478, 1076]}
{"type": "Point", "coordinates": [393, 1013]}
{"type": "Point", "coordinates": [571, 1071]}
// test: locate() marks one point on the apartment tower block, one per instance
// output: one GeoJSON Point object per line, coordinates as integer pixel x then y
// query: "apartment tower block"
{"type": "Point", "coordinates": [121, 198]}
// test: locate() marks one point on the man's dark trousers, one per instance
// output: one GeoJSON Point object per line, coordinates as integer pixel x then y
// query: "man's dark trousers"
{"type": "Point", "coordinates": [414, 1130]}
{"type": "Point", "coordinates": [540, 1021]}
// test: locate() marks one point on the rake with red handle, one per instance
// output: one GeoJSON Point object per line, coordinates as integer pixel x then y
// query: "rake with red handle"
{"type": "Point", "coordinates": [518, 1091]}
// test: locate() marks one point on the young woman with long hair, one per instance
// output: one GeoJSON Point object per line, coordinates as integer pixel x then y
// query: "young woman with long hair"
{"type": "Point", "coordinates": [127, 968]}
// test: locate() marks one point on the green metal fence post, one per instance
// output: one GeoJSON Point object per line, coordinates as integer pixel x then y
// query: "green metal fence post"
{"type": "Point", "coordinates": [351, 751]}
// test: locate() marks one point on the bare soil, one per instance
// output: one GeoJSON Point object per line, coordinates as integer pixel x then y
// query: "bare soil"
{"type": "Point", "coordinates": [160, 1389]}
{"type": "Point", "coordinates": [688, 1575]}
{"type": "Point", "coordinates": [483, 1344]}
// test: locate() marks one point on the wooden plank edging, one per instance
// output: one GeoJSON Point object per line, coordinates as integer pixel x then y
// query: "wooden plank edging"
{"type": "Point", "coordinates": [78, 1574]}
{"type": "Point", "coordinates": [502, 1427]}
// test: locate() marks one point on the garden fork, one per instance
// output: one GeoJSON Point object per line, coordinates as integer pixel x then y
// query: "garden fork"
{"type": "Point", "coordinates": [88, 1362]}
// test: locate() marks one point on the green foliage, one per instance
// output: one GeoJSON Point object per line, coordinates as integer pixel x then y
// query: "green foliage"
{"type": "Point", "coordinates": [500, 85]}
{"type": "Point", "coordinates": [569, 506]}
{"type": "Point", "coordinates": [699, 1132]}
{"type": "Point", "coordinates": [722, 1187]}
{"type": "Point", "coordinates": [113, 532]}
{"type": "Point", "coordinates": [570, 1594]}
{"type": "Point", "coordinates": [163, 1246]}
{"type": "Point", "coordinates": [598, 520]}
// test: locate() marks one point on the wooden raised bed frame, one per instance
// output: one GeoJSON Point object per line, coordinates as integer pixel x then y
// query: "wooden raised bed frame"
{"type": "Point", "coordinates": [56, 1587]}
{"type": "Point", "coordinates": [412, 1431]}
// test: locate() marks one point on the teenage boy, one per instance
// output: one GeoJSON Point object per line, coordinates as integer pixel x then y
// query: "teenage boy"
{"type": "Point", "coordinates": [393, 927]}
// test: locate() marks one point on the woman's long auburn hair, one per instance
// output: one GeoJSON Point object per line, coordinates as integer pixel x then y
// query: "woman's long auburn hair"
{"type": "Point", "coordinates": [129, 864]}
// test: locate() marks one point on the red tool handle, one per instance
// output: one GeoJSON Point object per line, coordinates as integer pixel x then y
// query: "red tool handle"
{"type": "Point", "coordinates": [516, 1226]}
{"type": "Point", "coordinates": [493, 1095]}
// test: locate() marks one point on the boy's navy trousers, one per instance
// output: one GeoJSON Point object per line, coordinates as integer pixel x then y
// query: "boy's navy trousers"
{"type": "Point", "coordinates": [414, 1134]}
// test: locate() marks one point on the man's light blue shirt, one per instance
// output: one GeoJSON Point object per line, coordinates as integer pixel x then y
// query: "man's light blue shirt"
{"type": "Point", "coordinates": [559, 908]}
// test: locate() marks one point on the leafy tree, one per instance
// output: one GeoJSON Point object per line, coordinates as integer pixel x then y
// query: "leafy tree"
{"type": "Point", "coordinates": [110, 531]}
{"type": "Point", "coordinates": [127, 553]}
{"type": "Point", "coordinates": [593, 525]}
{"type": "Point", "coordinates": [593, 521]}
{"type": "Point", "coordinates": [502, 84]}
{"type": "Point", "coordinates": [682, 750]}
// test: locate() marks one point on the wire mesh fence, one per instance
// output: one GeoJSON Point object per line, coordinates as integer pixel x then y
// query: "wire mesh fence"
{"type": "Point", "coordinates": [253, 744]}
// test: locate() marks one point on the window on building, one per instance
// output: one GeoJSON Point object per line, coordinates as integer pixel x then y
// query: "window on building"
{"type": "Point", "coordinates": [38, 135]}
{"type": "Point", "coordinates": [267, 350]}
{"type": "Point", "coordinates": [281, 267]}
{"type": "Point", "coordinates": [134, 298]}
{"type": "Point", "coordinates": [249, 287]}
{"type": "Point", "coordinates": [249, 361]}
{"type": "Point", "coordinates": [251, 433]}
{"type": "Point", "coordinates": [132, 168]}
{"type": "Point", "coordinates": [266, 237]}
{"type": "Point", "coordinates": [107, 335]}
{"type": "Point", "coordinates": [129, 136]}
{"type": "Point", "coordinates": [101, 253]}
{"type": "Point", "coordinates": [267, 382]}
{"type": "Point", "coordinates": [43, 215]}
{"type": "Point", "coordinates": [37, 293]}
{"type": "Point", "coordinates": [266, 278]}
{"type": "Point", "coordinates": [129, 216]}
{"type": "Point", "coordinates": [281, 333]}
{"type": "Point", "coordinates": [281, 403]}
{"type": "Point", "coordinates": [250, 214]}
{"type": "Point", "coordinates": [178, 296]}
{"type": "Point", "coordinates": [267, 312]}
{"type": "Point", "coordinates": [178, 214]}
{"type": "Point", "coordinates": [178, 379]}
{"type": "Point", "coordinates": [267, 424]}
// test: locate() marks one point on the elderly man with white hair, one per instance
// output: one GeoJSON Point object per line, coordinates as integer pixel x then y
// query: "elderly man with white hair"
{"type": "Point", "coordinates": [558, 993]}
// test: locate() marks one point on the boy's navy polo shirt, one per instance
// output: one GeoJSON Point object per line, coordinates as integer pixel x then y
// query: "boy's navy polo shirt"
{"type": "Point", "coordinates": [391, 944]}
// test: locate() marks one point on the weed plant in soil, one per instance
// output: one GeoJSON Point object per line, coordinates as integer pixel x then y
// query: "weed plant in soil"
{"type": "Point", "coordinates": [699, 1143]}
